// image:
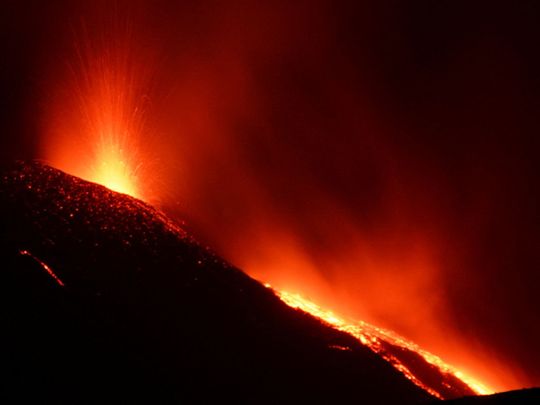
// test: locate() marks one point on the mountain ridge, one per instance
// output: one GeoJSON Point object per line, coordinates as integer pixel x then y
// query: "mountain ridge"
{"type": "Point", "coordinates": [151, 313]}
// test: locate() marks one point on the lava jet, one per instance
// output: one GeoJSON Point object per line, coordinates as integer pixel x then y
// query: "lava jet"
{"type": "Point", "coordinates": [106, 299]}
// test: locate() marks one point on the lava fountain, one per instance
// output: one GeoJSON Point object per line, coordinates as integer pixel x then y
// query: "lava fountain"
{"type": "Point", "coordinates": [97, 120]}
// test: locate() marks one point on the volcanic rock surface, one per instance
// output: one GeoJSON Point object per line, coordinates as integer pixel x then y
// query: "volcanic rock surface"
{"type": "Point", "coordinates": [105, 300]}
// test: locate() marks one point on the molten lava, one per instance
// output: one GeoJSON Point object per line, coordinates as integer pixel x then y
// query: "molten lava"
{"type": "Point", "coordinates": [375, 338]}
{"type": "Point", "coordinates": [114, 171]}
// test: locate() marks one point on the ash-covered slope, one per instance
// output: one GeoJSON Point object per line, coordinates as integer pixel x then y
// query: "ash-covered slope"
{"type": "Point", "coordinates": [106, 301]}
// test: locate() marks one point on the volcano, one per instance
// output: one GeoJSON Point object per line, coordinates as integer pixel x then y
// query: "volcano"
{"type": "Point", "coordinates": [105, 299]}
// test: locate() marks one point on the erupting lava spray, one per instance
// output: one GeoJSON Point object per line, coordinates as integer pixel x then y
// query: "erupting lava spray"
{"type": "Point", "coordinates": [98, 124]}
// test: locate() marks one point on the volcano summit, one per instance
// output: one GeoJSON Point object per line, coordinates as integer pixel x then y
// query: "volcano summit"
{"type": "Point", "coordinates": [105, 299]}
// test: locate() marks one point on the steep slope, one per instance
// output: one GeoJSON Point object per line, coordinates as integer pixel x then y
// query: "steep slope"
{"type": "Point", "coordinates": [106, 300]}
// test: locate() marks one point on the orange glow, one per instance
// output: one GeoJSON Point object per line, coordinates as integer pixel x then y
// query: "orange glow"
{"type": "Point", "coordinates": [372, 337]}
{"type": "Point", "coordinates": [96, 123]}
{"type": "Point", "coordinates": [114, 171]}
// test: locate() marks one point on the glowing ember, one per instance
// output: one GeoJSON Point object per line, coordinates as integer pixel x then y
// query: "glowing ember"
{"type": "Point", "coordinates": [113, 171]}
{"type": "Point", "coordinates": [44, 266]}
{"type": "Point", "coordinates": [374, 338]}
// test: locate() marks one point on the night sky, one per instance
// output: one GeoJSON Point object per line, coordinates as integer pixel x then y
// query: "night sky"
{"type": "Point", "coordinates": [382, 158]}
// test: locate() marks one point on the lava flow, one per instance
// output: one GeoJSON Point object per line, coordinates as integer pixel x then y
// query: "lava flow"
{"type": "Point", "coordinates": [45, 267]}
{"type": "Point", "coordinates": [377, 339]}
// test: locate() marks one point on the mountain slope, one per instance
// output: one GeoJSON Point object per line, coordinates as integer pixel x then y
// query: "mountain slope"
{"type": "Point", "coordinates": [105, 300]}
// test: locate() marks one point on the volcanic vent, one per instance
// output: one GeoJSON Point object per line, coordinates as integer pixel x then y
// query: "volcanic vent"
{"type": "Point", "coordinates": [107, 299]}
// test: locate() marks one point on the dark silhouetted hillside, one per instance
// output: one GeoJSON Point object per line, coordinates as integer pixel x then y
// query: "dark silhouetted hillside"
{"type": "Point", "coordinates": [140, 313]}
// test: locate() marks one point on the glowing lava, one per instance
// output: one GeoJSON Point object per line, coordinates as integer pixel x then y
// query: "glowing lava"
{"type": "Point", "coordinates": [374, 338]}
{"type": "Point", "coordinates": [114, 171]}
{"type": "Point", "coordinates": [96, 126]}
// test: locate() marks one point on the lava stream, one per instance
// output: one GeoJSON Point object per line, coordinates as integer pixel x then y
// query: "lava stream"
{"type": "Point", "coordinates": [373, 337]}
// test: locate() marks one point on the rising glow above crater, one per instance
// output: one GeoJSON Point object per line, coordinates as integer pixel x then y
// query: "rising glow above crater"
{"type": "Point", "coordinates": [114, 171]}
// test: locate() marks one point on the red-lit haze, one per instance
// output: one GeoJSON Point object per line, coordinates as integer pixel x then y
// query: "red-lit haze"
{"type": "Point", "coordinates": [282, 134]}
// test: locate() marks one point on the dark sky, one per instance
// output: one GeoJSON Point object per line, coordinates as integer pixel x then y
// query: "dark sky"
{"type": "Point", "coordinates": [384, 153]}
